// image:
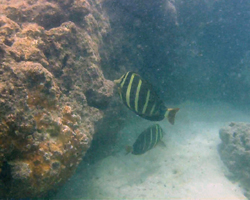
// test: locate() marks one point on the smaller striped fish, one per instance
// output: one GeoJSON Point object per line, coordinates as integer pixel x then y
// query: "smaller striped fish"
{"type": "Point", "coordinates": [140, 97]}
{"type": "Point", "coordinates": [148, 139]}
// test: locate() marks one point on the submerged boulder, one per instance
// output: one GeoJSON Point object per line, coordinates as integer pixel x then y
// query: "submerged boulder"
{"type": "Point", "coordinates": [53, 94]}
{"type": "Point", "coordinates": [235, 152]}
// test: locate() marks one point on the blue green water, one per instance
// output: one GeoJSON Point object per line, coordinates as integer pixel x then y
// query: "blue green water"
{"type": "Point", "coordinates": [201, 53]}
{"type": "Point", "coordinates": [196, 55]}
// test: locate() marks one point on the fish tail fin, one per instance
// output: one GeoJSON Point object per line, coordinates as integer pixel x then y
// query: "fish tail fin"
{"type": "Point", "coordinates": [170, 114]}
{"type": "Point", "coordinates": [129, 149]}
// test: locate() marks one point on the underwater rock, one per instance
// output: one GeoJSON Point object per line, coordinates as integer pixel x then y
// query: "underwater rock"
{"type": "Point", "coordinates": [53, 95]}
{"type": "Point", "coordinates": [235, 151]}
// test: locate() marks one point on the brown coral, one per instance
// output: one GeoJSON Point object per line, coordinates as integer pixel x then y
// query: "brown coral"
{"type": "Point", "coordinates": [53, 95]}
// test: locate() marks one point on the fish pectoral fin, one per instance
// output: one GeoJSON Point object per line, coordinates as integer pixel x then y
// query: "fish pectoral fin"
{"type": "Point", "coordinates": [162, 144]}
{"type": "Point", "coordinates": [129, 149]}
{"type": "Point", "coordinates": [171, 112]}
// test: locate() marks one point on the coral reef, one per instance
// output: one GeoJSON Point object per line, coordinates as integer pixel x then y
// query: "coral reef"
{"type": "Point", "coordinates": [53, 95]}
{"type": "Point", "coordinates": [235, 152]}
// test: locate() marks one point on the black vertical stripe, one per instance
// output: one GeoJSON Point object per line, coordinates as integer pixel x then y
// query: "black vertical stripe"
{"type": "Point", "coordinates": [138, 145]}
{"type": "Point", "coordinates": [125, 87]}
{"type": "Point", "coordinates": [133, 91]}
{"type": "Point", "coordinates": [142, 96]}
{"type": "Point", "coordinates": [147, 135]}
{"type": "Point", "coordinates": [152, 101]}
{"type": "Point", "coordinates": [154, 138]}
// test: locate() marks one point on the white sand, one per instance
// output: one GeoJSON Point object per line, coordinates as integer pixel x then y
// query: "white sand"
{"type": "Point", "coordinates": [188, 168]}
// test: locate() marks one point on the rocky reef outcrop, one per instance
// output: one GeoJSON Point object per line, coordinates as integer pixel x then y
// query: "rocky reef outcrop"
{"type": "Point", "coordinates": [142, 37]}
{"type": "Point", "coordinates": [235, 152]}
{"type": "Point", "coordinates": [53, 95]}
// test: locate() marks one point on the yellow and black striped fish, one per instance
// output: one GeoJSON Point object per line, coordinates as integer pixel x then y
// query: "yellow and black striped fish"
{"type": "Point", "coordinates": [148, 139]}
{"type": "Point", "coordinates": [138, 95]}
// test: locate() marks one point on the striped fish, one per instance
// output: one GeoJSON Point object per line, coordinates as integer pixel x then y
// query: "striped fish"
{"type": "Point", "coordinates": [148, 139]}
{"type": "Point", "coordinates": [139, 96]}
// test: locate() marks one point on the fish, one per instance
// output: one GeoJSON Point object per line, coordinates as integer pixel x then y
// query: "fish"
{"type": "Point", "coordinates": [139, 96]}
{"type": "Point", "coordinates": [147, 140]}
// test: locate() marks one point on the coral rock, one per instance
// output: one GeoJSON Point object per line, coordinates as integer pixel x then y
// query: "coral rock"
{"type": "Point", "coordinates": [53, 95]}
{"type": "Point", "coordinates": [235, 151]}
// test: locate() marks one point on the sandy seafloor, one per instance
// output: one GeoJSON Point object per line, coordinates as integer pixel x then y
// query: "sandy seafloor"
{"type": "Point", "coordinates": [189, 167]}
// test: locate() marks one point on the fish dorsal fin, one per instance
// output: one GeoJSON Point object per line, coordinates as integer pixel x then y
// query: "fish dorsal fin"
{"type": "Point", "coordinates": [117, 81]}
